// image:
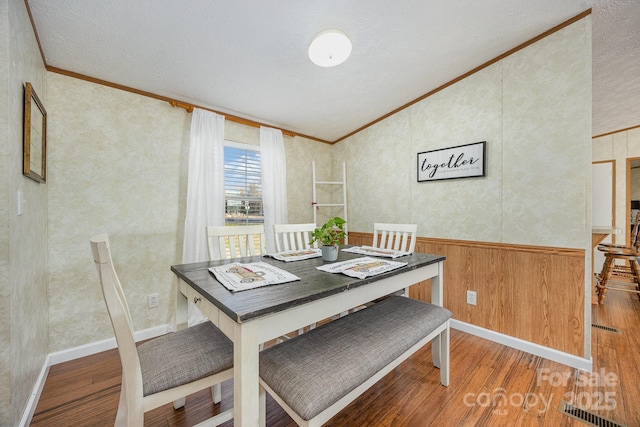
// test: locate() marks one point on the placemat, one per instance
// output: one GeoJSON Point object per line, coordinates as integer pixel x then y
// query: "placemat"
{"type": "Point", "coordinates": [361, 267]}
{"type": "Point", "coordinates": [241, 277]}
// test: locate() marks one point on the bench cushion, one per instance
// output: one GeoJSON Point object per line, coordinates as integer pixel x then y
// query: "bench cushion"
{"type": "Point", "coordinates": [184, 356]}
{"type": "Point", "coordinates": [316, 369]}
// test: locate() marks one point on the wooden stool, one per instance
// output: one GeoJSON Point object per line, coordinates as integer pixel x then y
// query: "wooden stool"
{"type": "Point", "coordinates": [621, 276]}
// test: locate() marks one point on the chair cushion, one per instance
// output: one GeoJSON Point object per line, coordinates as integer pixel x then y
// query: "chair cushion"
{"type": "Point", "coordinates": [316, 369]}
{"type": "Point", "coordinates": [184, 356]}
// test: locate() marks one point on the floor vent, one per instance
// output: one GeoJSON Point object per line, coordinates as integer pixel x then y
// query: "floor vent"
{"type": "Point", "coordinates": [587, 417]}
{"type": "Point", "coordinates": [607, 328]}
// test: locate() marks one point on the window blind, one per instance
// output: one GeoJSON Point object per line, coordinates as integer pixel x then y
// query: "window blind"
{"type": "Point", "coordinates": [243, 186]}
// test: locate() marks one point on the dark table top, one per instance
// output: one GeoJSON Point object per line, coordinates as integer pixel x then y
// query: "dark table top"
{"type": "Point", "coordinates": [313, 284]}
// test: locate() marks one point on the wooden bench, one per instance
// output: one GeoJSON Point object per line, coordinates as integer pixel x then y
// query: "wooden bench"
{"type": "Point", "coordinates": [315, 375]}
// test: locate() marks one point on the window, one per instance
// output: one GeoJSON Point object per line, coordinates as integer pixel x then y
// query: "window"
{"type": "Point", "coordinates": [243, 186]}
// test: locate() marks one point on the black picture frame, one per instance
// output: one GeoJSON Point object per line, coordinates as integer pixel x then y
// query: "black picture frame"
{"type": "Point", "coordinates": [461, 161]}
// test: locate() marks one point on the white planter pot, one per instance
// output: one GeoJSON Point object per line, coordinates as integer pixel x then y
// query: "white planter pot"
{"type": "Point", "coordinates": [329, 253]}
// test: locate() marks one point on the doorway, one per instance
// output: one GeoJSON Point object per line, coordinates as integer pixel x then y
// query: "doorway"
{"type": "Point", "coordinates": [603, 204]}
{"type": "Point", "coordinates": [633, 195]}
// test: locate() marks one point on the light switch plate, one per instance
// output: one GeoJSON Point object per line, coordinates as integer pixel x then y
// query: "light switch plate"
{"type": "Point", "coordinates": [20, 203]}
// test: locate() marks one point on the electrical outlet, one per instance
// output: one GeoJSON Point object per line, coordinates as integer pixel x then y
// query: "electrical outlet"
{"type": "Point", "coordinates": [153, 300]}
{"type": "Point", "coordinates": [471, 297]}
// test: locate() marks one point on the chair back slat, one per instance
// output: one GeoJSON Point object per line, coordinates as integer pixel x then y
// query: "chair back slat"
{"type": "Point", "coordinates": [290, 237]}
{"type": "Point", "coordinates": [398, 237]}
{"type": "Point", "coordinates": [227, 242]}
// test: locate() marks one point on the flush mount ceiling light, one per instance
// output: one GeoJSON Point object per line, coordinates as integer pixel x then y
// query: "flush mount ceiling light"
{"type": "Point", "coordinates": [329, 48]}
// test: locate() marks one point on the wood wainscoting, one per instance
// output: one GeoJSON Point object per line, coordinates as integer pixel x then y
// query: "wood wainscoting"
{"type": "Point", "coordinates": [533, 293]}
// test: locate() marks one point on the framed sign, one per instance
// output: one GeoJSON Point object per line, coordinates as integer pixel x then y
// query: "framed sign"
{"type": "Point", "coordinates": [35, 136]}
{"type": "Point", "coordinates": [463, 161]}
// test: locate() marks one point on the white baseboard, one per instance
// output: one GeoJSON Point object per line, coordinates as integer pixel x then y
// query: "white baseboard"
{"type": "Point", "coordinates": [529, 347]}
{"type": "Point", "coordinates": [27, 415]}
{"type": "Point", "coordinates": [108, 344]}
{"type": "Point", "coordinates": [76, 353]}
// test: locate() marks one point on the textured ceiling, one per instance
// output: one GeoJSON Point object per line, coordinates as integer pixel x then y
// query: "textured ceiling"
{"type": "Point", "coordinates": [616, 66]}
{"type": "Point", "coordinates": [248, 58]}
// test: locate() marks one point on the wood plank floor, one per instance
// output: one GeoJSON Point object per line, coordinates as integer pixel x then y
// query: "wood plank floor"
{"type": "Point", "coordinates": [491, 385]}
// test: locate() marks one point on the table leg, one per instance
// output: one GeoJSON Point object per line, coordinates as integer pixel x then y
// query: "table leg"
{"type": "Point", "coordinates": [181, 322]}
{"type": "Point", "coordinates": [263, 407]}
{"type": "Point", "coordinates": [246, 400]}
{"type": "Point", "coordinates": [437, 298]}
{"type": "Point", "coordinates": [444, 342]}
{"type": "Point", "coordinates": [181, 319]}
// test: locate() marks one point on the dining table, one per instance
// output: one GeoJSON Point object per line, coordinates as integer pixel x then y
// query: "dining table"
{"type": "Point", "coordinates": [255, 316]}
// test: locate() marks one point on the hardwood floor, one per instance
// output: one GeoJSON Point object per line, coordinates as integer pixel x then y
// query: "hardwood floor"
{"type": "Point", "coordinates": [491, 385]}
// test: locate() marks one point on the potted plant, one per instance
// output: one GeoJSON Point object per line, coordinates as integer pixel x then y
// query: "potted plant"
{"type": "Point", "coordinates": [329, 235]}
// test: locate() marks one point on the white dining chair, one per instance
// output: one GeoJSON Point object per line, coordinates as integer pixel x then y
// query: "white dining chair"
{"type": "Point", "coordinates": [397, 237]}
{"type": "Point", "coordinates": [235, 241]}
{"type": "Point", "coordinates": [165, 369]}
{"type": "Point", "coordinates": [290, 237]}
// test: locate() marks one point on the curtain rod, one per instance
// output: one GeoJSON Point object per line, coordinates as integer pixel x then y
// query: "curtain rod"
{"type": "Point", "coordinates": [190, 107]}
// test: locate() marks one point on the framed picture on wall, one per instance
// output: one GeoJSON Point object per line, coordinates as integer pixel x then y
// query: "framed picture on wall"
{"type": "Point", "coordinates": [462, 161]}
{"type": "Point", "coordinates": [35, 136]}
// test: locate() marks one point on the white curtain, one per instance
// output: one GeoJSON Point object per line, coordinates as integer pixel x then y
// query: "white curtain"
{"type": "Point", "coordinates": [274, 182]}
{"type": "Point", "coordinates": [205, 188]}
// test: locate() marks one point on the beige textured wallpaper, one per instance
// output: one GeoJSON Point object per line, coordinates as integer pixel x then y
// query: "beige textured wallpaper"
{"type": "Point", "coordinates": [119, 165]}
{"type": "Point", "coordinates": [467, 112]}
{"type": "Point", "coordinates": [23, 327]}
{"type": "Point", "coordinates": [546, 141]}
{"type": "Point", "coordinates": [300, 154]}
{"type": "Point", "coordinates": [5, 194]}
{"type": "Point", "coordinates": [380, 170]}
{"type": "Point", "coordinates": [533, 109]}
